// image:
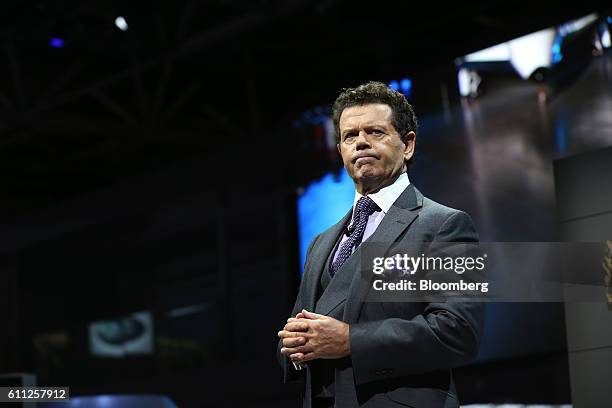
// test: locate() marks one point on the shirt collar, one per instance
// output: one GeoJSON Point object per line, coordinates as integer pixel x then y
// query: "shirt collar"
{"type": "Point", "coordinates": [386, 196]}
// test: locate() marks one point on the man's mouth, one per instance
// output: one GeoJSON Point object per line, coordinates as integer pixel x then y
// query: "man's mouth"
{"type": "Point", "coordinates": [363, 159]}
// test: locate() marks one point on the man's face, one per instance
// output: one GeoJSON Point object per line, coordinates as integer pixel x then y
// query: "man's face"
{"type": "Point", "coordinates": [372, 150]}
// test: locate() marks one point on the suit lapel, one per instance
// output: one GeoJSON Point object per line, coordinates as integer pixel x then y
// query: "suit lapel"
{"type": "Point", "coordinates": [337, 290]}
{"type": "Point", "coordinates": [401, 214]}
{"type": "Point", "coordinates": [328, 240]}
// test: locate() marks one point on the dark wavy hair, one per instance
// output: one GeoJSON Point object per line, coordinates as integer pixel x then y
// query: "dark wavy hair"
{"type": "Point", "coordinates": [403, 117]}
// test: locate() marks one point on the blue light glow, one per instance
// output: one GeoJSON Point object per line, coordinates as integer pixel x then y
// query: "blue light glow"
{"type": "Point", "coordinates": [557, 55]}
{"type": "Point", "coordinates": [316, 116]}
{"type": "Point", "coordinates": [115, 401]}
{"type": "Point", "coordinates": [104, 401]}
{"type": "Point", "coordinates": [394, 85]}
{"type": "Point", "coordinates": [406, 86]}
{"type": "Point", "coordinates": [56, 42]}
{"type": "Point", "coordinates": [609, 20]}
{"type": "Point", "coordinates": [323, 203]}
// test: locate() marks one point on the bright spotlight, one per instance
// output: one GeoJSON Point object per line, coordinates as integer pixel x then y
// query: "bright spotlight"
{"type": "Point", "coordinates": [121, 23]}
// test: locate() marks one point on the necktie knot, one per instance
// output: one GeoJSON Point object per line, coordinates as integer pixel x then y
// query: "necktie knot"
{"type": "Point", "coordinates": [365, 205]}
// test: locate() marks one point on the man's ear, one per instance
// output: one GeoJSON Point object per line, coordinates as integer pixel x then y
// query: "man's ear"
{"type": "Point", "coordinates": [409, 140]}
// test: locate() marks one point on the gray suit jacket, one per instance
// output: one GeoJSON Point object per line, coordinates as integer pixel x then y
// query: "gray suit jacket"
{"type": "Point", "coordinates": [401, 353]}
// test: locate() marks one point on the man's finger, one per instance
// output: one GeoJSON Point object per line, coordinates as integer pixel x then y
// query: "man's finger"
{"type": "Point", "coordinates": [307, 348]}
{"type": "Point", "coordinates": [311, 315]}
{"type": "Point", "coordinates": [296, 326]}
{"type": "Point", "coordinates": [296, 357]}
{"type": "Point", "coordinates": [299, 319]}
{"type": "Point", "coordinates": [284, 334]}
{"type": "Point", "coordinates": [304, 357]}
{"type": "Point", "coordinates": [300, 315]}
{"type": "Point", "coordinates": [294, 341]}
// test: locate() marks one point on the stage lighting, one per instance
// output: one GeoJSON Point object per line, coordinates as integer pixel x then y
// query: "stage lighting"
{"type": "Point", "coordinates": [605, 38]}
{"type": "Point", "coordinates": [121, 23]}
{"type": "Point", "coordinates": [394, 85]}
{"type": "Point", "coordinates": [557, 55]}
{"type": "Point", "coordinates": [406, 86]}
{"type": "Point", "coordinates": [56, 42]}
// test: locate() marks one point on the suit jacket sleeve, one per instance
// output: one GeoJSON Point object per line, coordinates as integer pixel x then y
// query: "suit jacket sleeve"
{"type": "Point", "coordinates": [445, 335]}
{"type": "Point", "coordinates": [290, 374]}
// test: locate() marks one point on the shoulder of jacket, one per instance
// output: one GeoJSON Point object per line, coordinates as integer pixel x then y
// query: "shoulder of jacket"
{"type": "Point", "coordinates": [433, 207]}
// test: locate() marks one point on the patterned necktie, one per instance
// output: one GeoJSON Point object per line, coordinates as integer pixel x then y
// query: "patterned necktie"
{"type": "Point", "coordinates": [364, 208]}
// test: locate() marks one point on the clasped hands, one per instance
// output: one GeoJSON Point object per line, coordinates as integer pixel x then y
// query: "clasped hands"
{"type": "Point", "coordinates": [309, 336]}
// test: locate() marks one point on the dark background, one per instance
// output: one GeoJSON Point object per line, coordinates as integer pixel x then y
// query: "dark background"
{"type": "Point", "coordinates": [158, 168]}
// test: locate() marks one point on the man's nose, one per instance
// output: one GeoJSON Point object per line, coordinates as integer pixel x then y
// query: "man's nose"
{"type": "Point", "coordinates": [363, 142]}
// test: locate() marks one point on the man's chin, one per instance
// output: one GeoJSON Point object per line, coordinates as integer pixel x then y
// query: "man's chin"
{"type": "Point", "coordinates": [369, 180]}
{"type": "Point", "coordinates": [367, 177]}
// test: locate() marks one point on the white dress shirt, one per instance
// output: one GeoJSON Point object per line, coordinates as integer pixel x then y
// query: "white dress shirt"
{"type": "Point", "coordinates": [384, 198]}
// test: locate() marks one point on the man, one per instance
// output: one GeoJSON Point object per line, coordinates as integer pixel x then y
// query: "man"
{"type": "Point", "coordinates": [353, 353]}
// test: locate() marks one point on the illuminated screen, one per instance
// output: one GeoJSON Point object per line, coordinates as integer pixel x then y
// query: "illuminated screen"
{"type": "Point", "coordinates": [322, 204]}
{"type": "Point", "coordinates": [124, 336]}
